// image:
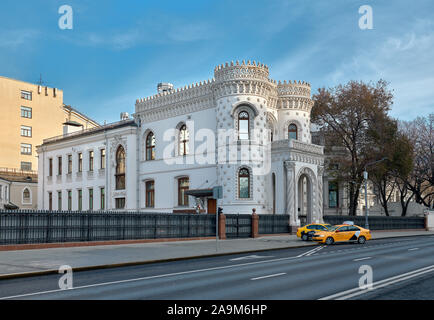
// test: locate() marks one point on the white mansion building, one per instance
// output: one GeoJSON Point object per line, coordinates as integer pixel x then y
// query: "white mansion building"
{"type": "Point", "coordinates": [241, 131]}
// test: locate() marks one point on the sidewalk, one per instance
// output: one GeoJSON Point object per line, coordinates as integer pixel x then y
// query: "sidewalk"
{"type": "Point", "coordinates": [43, 261]}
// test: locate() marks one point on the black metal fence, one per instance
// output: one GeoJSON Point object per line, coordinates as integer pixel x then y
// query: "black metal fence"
{"type": "Point", "coordinates": [26, 227]}
{"type": "Point", "coordinates": [238, 226]}
{"type": "Point", "coordinates": [271, 224]}
{"type": "Point", "coordinates": [380, 223]}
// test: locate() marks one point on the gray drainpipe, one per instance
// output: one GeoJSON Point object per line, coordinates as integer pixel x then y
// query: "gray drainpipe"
{"type": "Point", "coordinates": [138, 155]}
{"type": "Point", "coordinates": [43, 177]}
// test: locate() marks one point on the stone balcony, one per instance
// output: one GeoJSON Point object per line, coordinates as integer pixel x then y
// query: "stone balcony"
{"type": "Point", "coordinates": [296, 145]}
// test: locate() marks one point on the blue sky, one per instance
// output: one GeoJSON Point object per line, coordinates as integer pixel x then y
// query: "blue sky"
{"type": "Point", "coordinates": [119, 50]}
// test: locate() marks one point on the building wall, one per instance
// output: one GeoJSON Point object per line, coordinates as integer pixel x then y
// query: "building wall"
{"type": "Point", "coordinates": [4, 192]}
{"type": "Point", "coordinates": [48, 114]}
{"type": "Point", "coordinates": [169, 166]}
{"type": "Point", "coordinates": [16, 194]}
{"type": "Point", "coordinates": [208, 110]}
{"type": "Point", "coordinates": [87, 179]}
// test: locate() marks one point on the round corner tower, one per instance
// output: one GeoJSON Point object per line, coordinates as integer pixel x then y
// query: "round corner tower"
{"type": "Point", "coordinates": [241, 92]}
{"type": "Point", "coordinates": [294, 105]}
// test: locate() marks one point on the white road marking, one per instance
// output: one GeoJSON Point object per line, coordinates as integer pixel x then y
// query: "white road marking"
{"type": "Point", "coordinates": [413, 249]}
{"type": "Point", "coordinates": [269, 276]}
{"type": "Point", "coordinates": [308, 253]}
{"type": "Point", "coordinates": [379, 284]}
{"type": "Point", "coordinates": [360, 259]}
{"type": "Point", "coordinates": [250, 257]}
{"type": "Point", "coordinates": [150, 277]}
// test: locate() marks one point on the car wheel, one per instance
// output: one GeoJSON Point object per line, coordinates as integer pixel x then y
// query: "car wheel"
{"type": "Point", "coordinates": [361, 240]}
{"type": "Point", "coordinates": [329, 241]}
{"type": "Point", "coordinates": [304, 237]}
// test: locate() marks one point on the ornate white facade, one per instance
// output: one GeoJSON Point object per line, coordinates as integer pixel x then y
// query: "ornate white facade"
{"type": "Point", "coordinates": [241, 130]}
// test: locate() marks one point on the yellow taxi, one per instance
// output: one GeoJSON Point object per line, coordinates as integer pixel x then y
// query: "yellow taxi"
{"type": "Point", "coordinates": [342, 233]}
{"type": "Point", "coordinates": [306, 232]}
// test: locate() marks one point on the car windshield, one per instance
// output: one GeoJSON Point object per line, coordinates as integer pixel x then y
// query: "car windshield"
{"type": "Point", "coordinates": [328, 226]}
{"type": "Point", "coordinates": [333, 228]}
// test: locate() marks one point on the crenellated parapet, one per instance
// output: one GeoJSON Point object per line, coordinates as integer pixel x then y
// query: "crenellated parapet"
{"type": "Point", "coordinates": [294, 95]}
{"type": "Point", "coordinates": [190, 98]}
{"type": "Point", "coordinates": [241, 71]}
{"type": "Point", "coordinates": [230, 79]}
{"type": "Point", "coordinates": [293, 89]}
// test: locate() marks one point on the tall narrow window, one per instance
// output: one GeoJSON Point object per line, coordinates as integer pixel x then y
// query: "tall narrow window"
{"type": "Point", "coordinates": [59, 200]}
{"type": "Point", "coordinates": [80, 199]}
{"type": "Point", "coordinates": [50, 167]}
{"type": "Point", "coordinates": [69, 200]}
{"type": "Point", "coordinates": [292, 132]}
{"type": "Point", "coordinates": [244, 183]}
{"type": "Point", "coordinates": [59, 166]}
{"type": "Point", "coordinates": [80, 162]}
{"type": "Point", "coordinates": [102, 159]}
{"type": "Point", "coordinates": [333, 194]}
{"type": "Point", "coordinates": [69, 163]}
{"type": "Point", "coordinates": [183, 186]}
{"type": "Point", "coordinates": [120, 168]}
{"type": "Point", "coordinates": [150, 146]}
{"type": "Point", "coordinates": [183, 140]}
{"type": "Point", "coordinates": [243, 125]}
{"type": "Point", "coordinates": [102, 200]}
{"type": "Point", "coordinates": [50, 201]}
{"type": "Point", "coordinates": [90, 160]}
{"type": "Point", "coordinates": [150, 192]}
{"type": "Point", "coordinates": [91, 199]}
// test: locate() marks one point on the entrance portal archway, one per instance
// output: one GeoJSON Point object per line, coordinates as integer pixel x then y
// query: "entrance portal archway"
{"type": "Point", "coordinates": [306, 195]}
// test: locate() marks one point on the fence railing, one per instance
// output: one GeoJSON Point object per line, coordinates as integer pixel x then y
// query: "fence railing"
{"type": "Point", "coordinates": [380, 223]}
{"type": "Point", "coordinates": [238, 226]}
{"type": "Point", "coordinates": [27, 227]}
{"type": "Point", "coordinates": [271, 224]}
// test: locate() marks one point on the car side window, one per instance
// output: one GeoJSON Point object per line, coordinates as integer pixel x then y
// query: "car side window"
{"type": "Point", "coordinates": [354, 229]}
{"type": "Point", "coordinates": [344, 229]}
{"type": "Point", "coordinates": [322, 228]}
{"type": "Point", "coordinates": [311, 227]}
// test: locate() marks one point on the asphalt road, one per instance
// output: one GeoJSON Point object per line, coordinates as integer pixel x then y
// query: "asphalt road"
{"type": "Point", "coordinates": [402, 268]}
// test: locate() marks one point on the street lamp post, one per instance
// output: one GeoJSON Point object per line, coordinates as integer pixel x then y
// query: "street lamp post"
{"type": "Point", "coordinates": [365, 176]}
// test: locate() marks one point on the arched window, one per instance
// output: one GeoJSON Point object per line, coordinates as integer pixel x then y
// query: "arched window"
{"type": "Point", "coordinates": [292, 131]}
{"type": "Point", "coordinates": [183, 140]}
{"type": "Point", "coordinates": [26, 195]}
{"type": "Point", "coordinates": [120, 168]}
{"type": "Point", "coordinates": [150, 146]}
{"type": "Point", "coordinates": [244, 183]}
{"type": "Point", "coordinates": [243, 125]}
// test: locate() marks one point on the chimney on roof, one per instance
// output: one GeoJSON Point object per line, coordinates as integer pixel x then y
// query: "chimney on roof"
{"type": "Point", "coordinates": [164, 87]}
{"type": "Point", "coordinates": [125, 116]}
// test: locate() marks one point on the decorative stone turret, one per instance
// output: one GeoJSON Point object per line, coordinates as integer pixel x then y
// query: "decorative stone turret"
{"type": "Point", "coordinates": [241, 71]}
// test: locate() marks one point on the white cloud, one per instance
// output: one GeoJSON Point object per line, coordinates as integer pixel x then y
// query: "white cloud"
{"type": "Point", "coordinates": [12, 39]}
{"type": "Point", "coordinates": [404, 60]}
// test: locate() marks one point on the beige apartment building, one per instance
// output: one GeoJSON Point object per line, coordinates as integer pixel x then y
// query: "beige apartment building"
{"type": "Point", "coordinates": [29, 114]}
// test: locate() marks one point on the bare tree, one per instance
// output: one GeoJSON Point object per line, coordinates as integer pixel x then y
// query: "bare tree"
{"type": "Point", "coordinates": [345, 115]}
{"type": "Point", "coordinates": [421, 180]}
